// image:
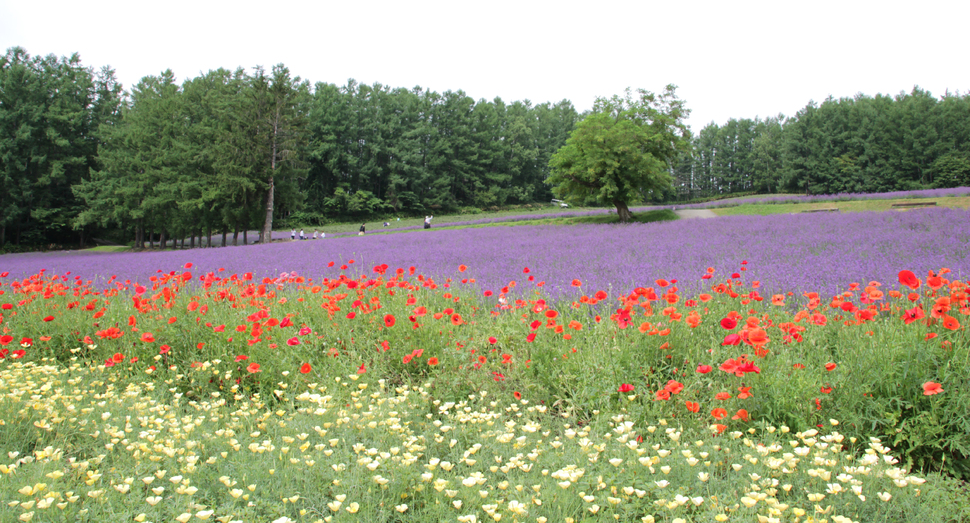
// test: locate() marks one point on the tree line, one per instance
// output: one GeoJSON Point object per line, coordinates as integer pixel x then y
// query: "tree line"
{"type": "Point", "coordinates": [861, 144]}
{"type": "Point", "coordinates": [231, 151]}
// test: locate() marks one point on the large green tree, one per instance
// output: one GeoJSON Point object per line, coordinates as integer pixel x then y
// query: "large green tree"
{"type": "Point", "coordinates": [622, 151]}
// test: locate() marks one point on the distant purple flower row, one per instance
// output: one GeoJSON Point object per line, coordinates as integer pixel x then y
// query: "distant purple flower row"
{"type": "Point", "coordinates": [799, 253]}
{"type": "Point", "coordinates": [925, 193]}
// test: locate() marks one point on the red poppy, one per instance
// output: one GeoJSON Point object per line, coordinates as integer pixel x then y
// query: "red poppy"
{"type": "Point", "coordinates": [498, 376]}
{"type": "Point", "coordinates": [930, 388]}
{"type": "Point", "coordinates": [531, 337]}
{"type": "Point", "coordinates": [432, 361]}
{"type": "Point", "coordinates": [164, 349]}
{"type": "Point", "coordinates": [487, 293]}
{"type": "Point", "coordinates": [49, 318]}
{"type": "Point", "coordinates": [118, 357]}
{"type": "Point", "coordinates": [830, 366]}
{"type": "Point", "coordinates": [241, 358]}
{"type": "Point", "coordinates": [305, 368]}
{"type": "Point", "coordinates": [26, 342]}
{"type": "Point", "coordinates": [721, 396]}
{"type": "Point", "coordinates": [462, 268]}
{"type": "Point", "coordinates": [4, 274]}
{"type": "Point", "coordinates": [7, 306]}
{"type": "Point", "coordinates": [5, 339]}
{"type": "Point", "coordinates": [798, 366]}
{"type": "Point", "coordinates": [456, 319]}
{"type": "Point", "coordinates": [147, 337]}
{"type": "Point", "coordinates": [389, 320]}
{"type": "Point", "coordinates": [577, 283]}
{"type": "Point", "coordinates": [826, 390]}
{"type": "Point", "coordinates": [625, 388]}
{"type": "Point", "coordinates": [492, 340]}
{"type": "Point", "coordinates": [351, 315]}
{"type": "Point", "coordinates": [253, 368]}
{"type": "Point", "coordinates": [731, 339]}
{"type": "Point", "coordinates": [692, 406]}
{"type": "Point", "coordinates": [293, 341]}
{"type": "Point", "coordinates": [674, 386]}
{"type": "Point", "coordinates": [744, 393]}
{"type": "Point", "coordinates": [909, 279]}
{"type": "Point", "coordinates": [718, 413]}
{"type": "Point", "coordinates": [729, 323]}
{"type": "Point", "coordinates": [20, 353]}
{"type": "Point", "coordinates": [662, 394]}
{"type": "Point", "coordinates": [362, 369]}
{"type": "Point", "coordinates": [741, 414]}
{"type": "Point", "coordinates": [517, 394]}
{"type": "Point", "coordinates": [704, 369]}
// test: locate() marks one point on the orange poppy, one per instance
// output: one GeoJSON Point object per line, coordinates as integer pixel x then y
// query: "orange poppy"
{"type": "Point", "coordinates": [950, 323]}
{"type": "Point", "coordinates": [930, 388]}
{"type": "Point", "coordinates": [718, 413]}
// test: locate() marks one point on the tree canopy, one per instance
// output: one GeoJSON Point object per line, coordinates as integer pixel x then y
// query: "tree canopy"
{"type": "Point", "coordinates": [622, 151]}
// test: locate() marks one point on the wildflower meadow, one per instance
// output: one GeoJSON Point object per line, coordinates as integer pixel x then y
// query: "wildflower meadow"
{"type": "Point", "coordinates": [741, 369]}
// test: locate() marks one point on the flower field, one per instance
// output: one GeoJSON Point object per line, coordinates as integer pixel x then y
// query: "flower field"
{"type": "Point", "coordinates": [790, 369]}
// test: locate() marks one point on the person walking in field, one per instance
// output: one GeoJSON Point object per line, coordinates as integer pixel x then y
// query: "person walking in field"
{"type": "Point", "coordinates": [427, 221]}
{"type": "Point", "coordinates": [314, 234]}
{"type": "Point", "coordinates": [293, 234]}
{"type": "Point", "coordinates": [363, 229]}
{"type": "Point", "coordinates": [302, 237]}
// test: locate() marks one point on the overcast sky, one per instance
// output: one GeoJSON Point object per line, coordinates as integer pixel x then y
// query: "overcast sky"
{"type": "Point", "coordinates": [736, 59]}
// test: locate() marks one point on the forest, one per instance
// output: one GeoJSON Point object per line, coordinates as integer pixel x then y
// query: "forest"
{"type": "Point", "coordinates": [83, 157]}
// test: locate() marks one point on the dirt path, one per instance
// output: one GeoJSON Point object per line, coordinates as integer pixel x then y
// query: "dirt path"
{"type": "Point", "coordinates": [696, 213]}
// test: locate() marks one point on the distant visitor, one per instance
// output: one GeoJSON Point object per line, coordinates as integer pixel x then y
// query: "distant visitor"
{"type": "Point", "coordinates": [363, 229]}
{"type": "Point", "coordinates": [427, 221]}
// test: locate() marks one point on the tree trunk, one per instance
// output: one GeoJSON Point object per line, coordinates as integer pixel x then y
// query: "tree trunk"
{"type": "Point", "coordinates": [224, 233]}
{"type": "Point", "coordinates": [192, 240]}
{"type": "Point", "coordinates": [162, 240]}
{"type": "Point", "coordinates": [208, 240]}
{"type": "Point", "coordinates": [235, 235]}
{"type": "Point", "coordinates": [622, 211]}
{"type": "Point", "coordinates": [245, 237]}
{"type": "Point", "coordinates": [81, 233]}
{"type": "Point", "coordinates": [266, 235]}
{"type": "Point", "coordinates": [151, 239]}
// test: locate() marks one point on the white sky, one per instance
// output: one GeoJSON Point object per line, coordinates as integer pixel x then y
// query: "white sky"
{"type": "Point", "coordinates": [736, 59]}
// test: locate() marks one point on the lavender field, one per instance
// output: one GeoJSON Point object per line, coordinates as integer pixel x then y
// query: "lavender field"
{"type": "Point", "coordinates": [802, 252]}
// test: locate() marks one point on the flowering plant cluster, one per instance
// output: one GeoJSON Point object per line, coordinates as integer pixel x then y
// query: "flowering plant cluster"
{"type": "Point", "coordinates": [388, 394]}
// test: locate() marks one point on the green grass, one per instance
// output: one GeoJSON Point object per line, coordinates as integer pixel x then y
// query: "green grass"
{"type": "Point", "coordinates": [765, 209]}
{"type": "Point", "coordinates": [446, 221]}
{"type": "Point", "coordinates": [109, 248]}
